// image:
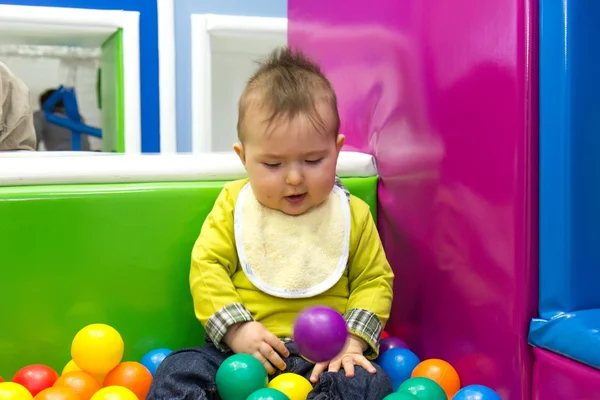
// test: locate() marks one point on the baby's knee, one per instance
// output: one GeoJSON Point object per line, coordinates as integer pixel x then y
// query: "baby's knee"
{"type": "Point", "coordinates": [181, 361]}
{"type": "Point", "coordinates": [378, 379]}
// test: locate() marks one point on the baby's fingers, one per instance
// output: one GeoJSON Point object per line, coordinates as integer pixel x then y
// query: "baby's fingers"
{"type": "Point", "coordinates": [258, 355]}
{"type": "Point", "coordinates": [277, 344]}
{"type": "Point", "coordinates": [272, 356]}
{"type": "Point", "coordinates": [366, 364]}
{"type": "Point", "coordinates": [317, 370]}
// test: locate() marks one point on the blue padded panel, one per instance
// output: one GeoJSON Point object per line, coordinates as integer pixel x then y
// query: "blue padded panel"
{"type": "Point", "coordinates": [569, 180]}
{"type": "Point", "coordinates": [573, 335]}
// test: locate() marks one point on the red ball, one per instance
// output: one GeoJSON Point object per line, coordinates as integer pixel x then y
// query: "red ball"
{"type": "Point", "coordinates": [35, 378]}
{"type": "Point", "coordinates": [1, 380]}
{"type": "Point", "coordinates": [384, 335]}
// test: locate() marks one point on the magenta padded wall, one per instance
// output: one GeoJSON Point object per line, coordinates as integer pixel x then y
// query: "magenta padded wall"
{"type": "Point", "coordinates": [444, 95]}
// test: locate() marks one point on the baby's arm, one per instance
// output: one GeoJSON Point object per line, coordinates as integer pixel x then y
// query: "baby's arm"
{"type": "Point", "coordinates": [218, 306]}
{"type": "Point", "coordinates": [214, 260]}
{"type": "Point", "coordinates": [371, 279]}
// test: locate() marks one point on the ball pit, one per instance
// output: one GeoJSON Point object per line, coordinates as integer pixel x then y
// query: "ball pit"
{"type": "Point", "coordinates": [98, 372]}
{"type": "Point", "coordinates": [95, 372]}
{"type": "Point", "coordinates": [430, 379]}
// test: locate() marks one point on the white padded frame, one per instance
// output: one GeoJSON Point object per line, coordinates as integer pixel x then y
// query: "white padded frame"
{"type": "Point", "coordinates": [27, 168]}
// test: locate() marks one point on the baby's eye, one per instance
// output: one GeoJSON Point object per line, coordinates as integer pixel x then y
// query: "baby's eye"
{"type": "Point", "coordinates": [313, 162]}
{"type": "Point", "coordinates": [272, 165]}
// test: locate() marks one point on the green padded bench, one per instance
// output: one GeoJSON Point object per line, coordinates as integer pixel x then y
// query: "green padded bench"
{"type": "Point", "coordinates": [107, 239]}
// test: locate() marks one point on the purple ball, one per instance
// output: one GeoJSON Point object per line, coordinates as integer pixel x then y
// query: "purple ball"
{"type": "Point", "coordinates": [391, 343]}
{"type": "Point", "coordinates": [320, 333]}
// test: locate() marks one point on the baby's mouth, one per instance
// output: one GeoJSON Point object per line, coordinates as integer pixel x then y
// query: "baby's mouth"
{"type": "Point", "coordinates": [297, 198]}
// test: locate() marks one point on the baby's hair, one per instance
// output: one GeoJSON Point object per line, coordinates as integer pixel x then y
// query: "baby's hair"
{"type": "Point", "coordinates": [287, 84]}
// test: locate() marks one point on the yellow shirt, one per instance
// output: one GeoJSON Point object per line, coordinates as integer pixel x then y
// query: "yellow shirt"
{"type": "Point", "coordinates": [217, 280]}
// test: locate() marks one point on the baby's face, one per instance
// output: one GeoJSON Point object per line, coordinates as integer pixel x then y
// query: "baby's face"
{"type": "Point", "coordinates": [291, 164]}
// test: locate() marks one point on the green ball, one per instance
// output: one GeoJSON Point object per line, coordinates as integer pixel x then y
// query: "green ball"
{"type": "Point", "coordinates": [423, 389]}
{"type": "Point", "coordinates": [401, 396]}
{"type": "Point", "coordinates": [239, 376]}
{"type": "Point", "coordinates": [267, 394]}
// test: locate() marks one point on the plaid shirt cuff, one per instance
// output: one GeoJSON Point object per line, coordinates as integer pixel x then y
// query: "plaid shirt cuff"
{"type": "Point", "coordinates": [218, 324]}
{"type": "Point", "coordinates": [367, 326]}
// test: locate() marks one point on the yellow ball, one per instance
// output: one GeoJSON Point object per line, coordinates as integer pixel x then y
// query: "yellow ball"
{"type": "Point", "coordinates": [114, 393]}
{"type": "Point", "coordinates": [97, 348]}
{"type": "Point", "coordinates": [72, 367]}
{"type": "Point", "coordinates": [294, 386]}
{"type": "Point", "coordinates": [14, 391]}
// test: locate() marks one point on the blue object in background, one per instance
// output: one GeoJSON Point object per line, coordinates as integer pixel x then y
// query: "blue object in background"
{"type": "Point", "coordinates": [153, 358]}
{"type": "Point", "coordinates": [149, 90]}
{"type": "Point", "coordinates": [73, 118]}
{"type": "Point", "coordinates": [183, 49]}
{"type": "Point", "coordinates": [569, 296]}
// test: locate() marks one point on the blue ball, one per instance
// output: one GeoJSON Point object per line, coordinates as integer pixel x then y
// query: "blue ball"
{"type": "Point", "coordinates": [153, 358]}
{"type": "Point", "coordinates": [476, 392]}
{"type": "Point", "coordinates": [398, 363]}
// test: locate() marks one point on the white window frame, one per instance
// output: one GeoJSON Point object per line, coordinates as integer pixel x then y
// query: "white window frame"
{"type": "Point", "coordinates": [101, 22]}
{"type": "Point", "coordinates": [204, 27]}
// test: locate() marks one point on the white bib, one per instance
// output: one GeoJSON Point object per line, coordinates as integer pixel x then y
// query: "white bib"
{"type": "Point", "coordinates": [293, 256]}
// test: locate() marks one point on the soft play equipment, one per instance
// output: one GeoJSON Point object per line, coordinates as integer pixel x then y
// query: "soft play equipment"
{"type": "Point", "coordinates": [566, 333]}
{"type": "Point", "coordinates": [107, 239]}
{"type": "Point", "coordinates": [73, 120]}
{"type": "Point", "coordinates": [444, 94]}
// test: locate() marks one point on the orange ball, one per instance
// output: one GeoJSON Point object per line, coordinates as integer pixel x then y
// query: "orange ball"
{"type": "Point", "coordinates": [82, 383]}
{"type": "Point", "coordinates": [57, 393]}
{"type": "Point", "coordinates": [440, 372]}
{"type": "Point", "coordinates": [132, 375]}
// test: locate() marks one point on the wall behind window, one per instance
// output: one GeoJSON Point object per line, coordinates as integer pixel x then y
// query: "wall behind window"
{"type": "Point", "coordinates": [183, 48]}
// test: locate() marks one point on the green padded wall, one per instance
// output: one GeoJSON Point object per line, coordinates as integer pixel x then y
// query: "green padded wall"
{"type": "Point", "coordinates": [112, 95]}
{"type": "Point", "coordinates": [118, 254]}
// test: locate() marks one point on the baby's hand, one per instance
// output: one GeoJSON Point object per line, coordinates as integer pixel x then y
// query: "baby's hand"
{"type": "Point", "coordinates": [351, 356]}
{"type": "Point", "coordinates": [254, 339]}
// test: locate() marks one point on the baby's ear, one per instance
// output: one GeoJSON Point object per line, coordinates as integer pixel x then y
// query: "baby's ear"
{"type": "Point", "coordinates": [239, 150]}
{"type": "Point", "coordinates": [339, 142]}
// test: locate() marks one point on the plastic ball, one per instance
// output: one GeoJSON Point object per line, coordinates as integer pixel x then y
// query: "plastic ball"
{"type": "Point", "coordinates": [398, 364]}
{"type": "Point", "coordinates": [82, 383]}
{"type": "Point", "coordinates": [97, 348]}
{"type": "Point", "coordinates": [131, 375]}
{"type": "Point", "coordinates": [441, 372]}
{"type": "Point", "coordinates": [401, 396]}
{"type": "Point", "coordinates": [320, 333]}
{"type": "Point", "coordinates": [391, 343]}
{"type": "Point", "coordinates": [72, 367]}
{"type": "Point", "coordinates": [153, 358]}
{"type": "Point", "coordinates": [1, 379]}
{"type": "Point", "coordinates": [294, 386]}
{"type": "Point", "coordinates": [423, 388]}
{"type": "Point", "coordinates": [267, 394]}
{"type": "Point", "coordinates": [239, 376]}
{"type": "Point", "coordinates": [57, 393]}
{"type": "Point", "coordinates": [114, 393]}
{"type": "Point", "coordinates": [476, 392]}
{"type": "Point", "coordinates": [35, 378]}
{"type": "Point", "coordinates": [384, 335]}
{"type": "Point", "coordinates": [14, 391]}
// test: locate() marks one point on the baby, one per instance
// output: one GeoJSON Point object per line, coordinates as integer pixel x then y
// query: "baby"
{"type": "Point", "coordinates": [288, 237]}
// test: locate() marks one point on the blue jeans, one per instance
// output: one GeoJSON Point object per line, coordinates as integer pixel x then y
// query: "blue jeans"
{"type": "Point", "coordinates": [189, 374]}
